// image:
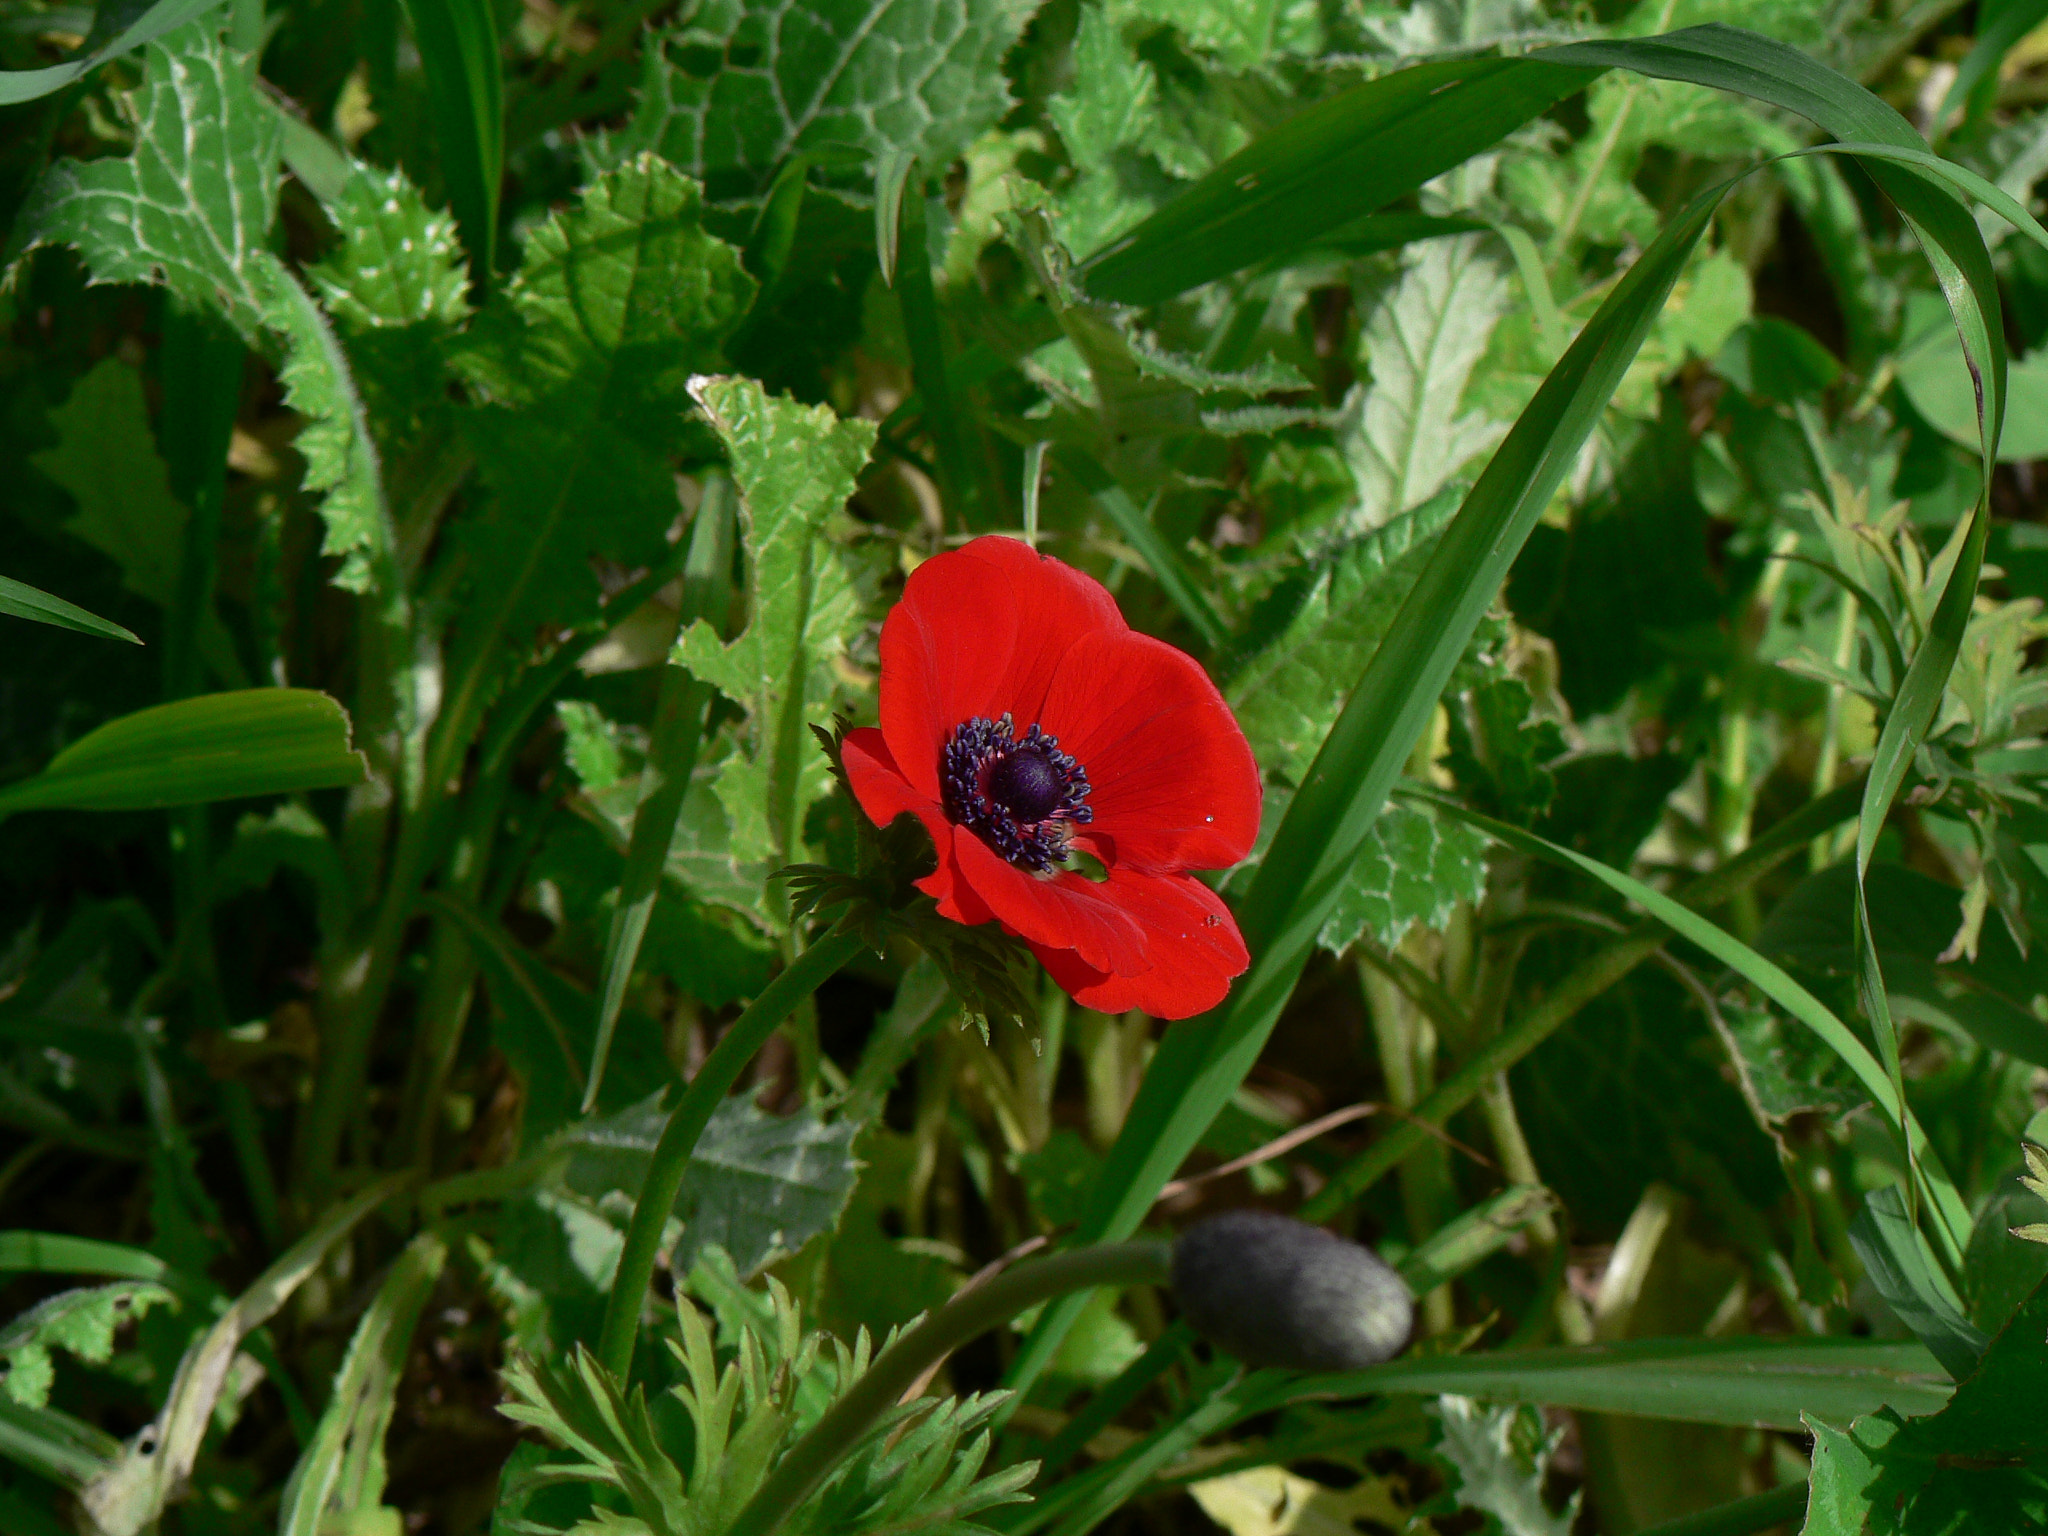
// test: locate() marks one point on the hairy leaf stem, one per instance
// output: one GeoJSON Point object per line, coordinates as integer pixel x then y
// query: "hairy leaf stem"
{"type": "Point", "coordinates": [685, 1127]}
{"type": "Point", "coordinates": [971, 1312]}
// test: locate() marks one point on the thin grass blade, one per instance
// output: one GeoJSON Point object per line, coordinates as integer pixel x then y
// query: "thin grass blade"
{"type": "Point", "coordinates": [679, 719]}
{"type": "Point", "coordinates": [458, 43]}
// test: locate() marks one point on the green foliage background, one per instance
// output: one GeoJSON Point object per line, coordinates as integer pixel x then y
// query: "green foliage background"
{"type": "Point", "coordinates": [504, 426]}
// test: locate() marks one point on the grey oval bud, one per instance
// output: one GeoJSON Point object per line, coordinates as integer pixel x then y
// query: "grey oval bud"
{"type": "Point", "coordinates": [1278, 1292]}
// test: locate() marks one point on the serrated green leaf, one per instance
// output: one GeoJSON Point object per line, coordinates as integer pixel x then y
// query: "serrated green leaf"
{"type": "Point", "coordinates": [759, 1186]}
{"type": "Point", "coordinates": [1501, 1455]}
{"type": "Point", "coordinates": [1980, 1464]}
{"type": "Point", "coordinates": [1413, 869]}
{"type": "Point", "coordinates": [342, 463]}
{"type": "Point", "coordinates": [217, 746]}
{"type": "Point", "coordinates": [583, 362]}
{"type": "Point", "coordinates": [591, 744]}
{"type": "Point", "coordinates": [1287, 695]}
{"type": "Point", "coordinates": [81, 1322]}
{"type": "Point", "coordinates": [795, 466]}
{"type": "Point", "coordinates": [743, 85]}
{"type": "Point", "coordinates": [1106, 108]}
{"type": "Point", "coordinates": [1241, 34]}
{"type": "Point", "coordinates": [192, 207]}
{"type": "Point", "coordinates": [106, 458]}
{"type": "Point", "coordinates": [399, 263]}
{"type": "Point", "coordinates": [1404, 434]}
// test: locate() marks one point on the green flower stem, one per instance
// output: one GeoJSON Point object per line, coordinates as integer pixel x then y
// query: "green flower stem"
{"type": "Point", "coordinates": [1142, 1261]}
{"type": "Point", "coordinates": [685, 1126]}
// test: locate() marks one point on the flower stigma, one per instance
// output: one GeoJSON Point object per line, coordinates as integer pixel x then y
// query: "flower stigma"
{"type": "Point", "coordinates": [1022, 794]}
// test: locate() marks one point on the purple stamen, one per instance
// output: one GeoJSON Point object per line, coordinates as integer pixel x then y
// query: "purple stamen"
{"type": "Point", "coordinates": [1022, 794]}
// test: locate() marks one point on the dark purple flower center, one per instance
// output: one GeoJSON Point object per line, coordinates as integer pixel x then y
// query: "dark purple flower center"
{"type": "Point", "coordinates": [1022, 794]}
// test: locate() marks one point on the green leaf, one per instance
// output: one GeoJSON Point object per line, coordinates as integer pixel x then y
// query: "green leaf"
{"type": "Point", "coordinates": [458, 43]}
{"type": "Point", "coordinates": [1107, 108]}
{"type": "Point", "coordinates": [1287, 696]}
{"type": "Point", "coordinates": [1501, 1456]}
{"type": "Point", "coordinates": [1981, 1463]}
{"type": "Point", "coordinates": [1627, 589]}
{"type": "Point", "coordinates": [68, 1451]}
{"type": "Point", "coordinates": [1414, 868]}
{"type": "Point", "coordinates": [81, 1322]}
{"type": "Point", "coordinates": [795, 466]}
{"type": "Point", "coordinates": [738, 89]}
{"type": "Point", "coordinates": [1769, 978]}
{"type": "Point", "coordinates": [1914, 919]}
{"type": "Point", "coordinates": [106, 458]}
{"type": "Point", "coordinates": [56, 1253]}
{"type": "Point", "coordinates": [192, 207]}
{"type": "Point", "coordinates": [759, 1186]}
{"type": "Point", "coordinates": [1932, 373]}
{"type": "Point", "coordinates": [218, 746]}
{"type": "Point", "coordinates": [591, 744]}
{"type": "Point", "coordinates": [23, 601]}
{"type": "Point", "coordinates": [584, 361]}
{"type": "Point", "coordinates": [1403, 432]}
{"type": "Point", "coordinates": [340, 1477]}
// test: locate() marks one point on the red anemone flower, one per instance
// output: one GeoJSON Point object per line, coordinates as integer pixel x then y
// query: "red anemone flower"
{"type": "Point", "coordinates": [1022, 718]}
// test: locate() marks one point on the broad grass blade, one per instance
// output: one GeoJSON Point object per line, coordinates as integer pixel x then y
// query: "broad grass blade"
{"type": "Point", "coordinates": [217, 746]}
{"type": "Point", "coordinates": [55, 1253]}
{"type": "Point", "coordinates": [1896, 1258]}
{"type": "Point", "coordinates": [1698, 1381]}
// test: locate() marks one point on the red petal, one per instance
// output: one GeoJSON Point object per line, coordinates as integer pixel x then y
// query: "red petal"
{"type": "Point", "coordinates": [1173, 782]}
{"type": "Point", "coordinates": [979, 631]}
{"type": "Point", "coordinates": [1195, 953]}
{"type": "Point", "coordinates": [1064, 912]}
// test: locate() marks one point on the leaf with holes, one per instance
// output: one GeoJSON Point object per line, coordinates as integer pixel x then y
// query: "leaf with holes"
{"type": "Point", "coordinates": [80, 1322]}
